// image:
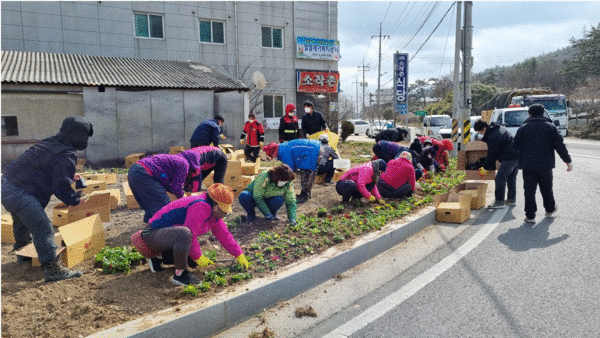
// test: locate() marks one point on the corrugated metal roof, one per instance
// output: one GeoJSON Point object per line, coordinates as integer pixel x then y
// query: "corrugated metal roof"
{"type": "Point", "coordinates": [75, 69]}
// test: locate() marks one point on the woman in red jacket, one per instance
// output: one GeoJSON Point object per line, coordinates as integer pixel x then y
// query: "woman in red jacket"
{"type": "Point", "coordinates": [253, 136]}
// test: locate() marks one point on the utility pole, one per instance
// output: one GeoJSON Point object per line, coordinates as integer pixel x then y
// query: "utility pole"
{"type": "Point", "coordinates": [379, 70]}
{"type": "Point", "coordinates": [363, 84]}
{"type": "Point", "coordinates": [468, 59]}
{"type": "Point", "coordinates": [456, 106]}
{"type": "Point", "coordinates": [356, 111]}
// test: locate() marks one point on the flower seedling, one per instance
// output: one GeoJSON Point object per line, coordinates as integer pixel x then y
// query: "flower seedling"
{"type": "Point", "coordinates": [190, 290]}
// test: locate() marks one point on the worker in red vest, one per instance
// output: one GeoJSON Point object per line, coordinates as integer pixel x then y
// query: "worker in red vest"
{"type": "Point", "coordinates": [253, 136]}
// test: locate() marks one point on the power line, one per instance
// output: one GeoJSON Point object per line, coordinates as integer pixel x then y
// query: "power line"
{"type": "Point", "coordinates": [426, 19]}
{"type": "Point", "coordinates": [436, 27]}
{"type": "Point", "coordinates": [446, 44]}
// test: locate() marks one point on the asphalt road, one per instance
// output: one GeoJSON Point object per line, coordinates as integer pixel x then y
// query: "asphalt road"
{"type": "Point", "coordinates": [497, 276]}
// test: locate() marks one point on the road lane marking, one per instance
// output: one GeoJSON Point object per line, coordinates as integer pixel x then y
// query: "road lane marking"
{"type": "Point", "coordinates": [387, 304]}
{"type": "Point", "coordinates": [586, 156]}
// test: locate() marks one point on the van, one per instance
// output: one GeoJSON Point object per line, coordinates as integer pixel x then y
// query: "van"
{"type": "Point", "coordinates": [513, 118]}
{"type": "Point", "coordinates": [436, 122]}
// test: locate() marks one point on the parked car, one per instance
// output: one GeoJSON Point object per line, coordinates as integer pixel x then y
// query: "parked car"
{"type": "Point", "coordinates": [436, 122]}
{"type": "Point", "coordinates": [379, 125]}
{"type": "Point", "coordinates": [513, 118]}
{"type": "Point", "coordinates": [360, 126]}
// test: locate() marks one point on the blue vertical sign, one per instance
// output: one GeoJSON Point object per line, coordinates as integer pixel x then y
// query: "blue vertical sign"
{"type": "Point", "coordinates": [401, 82]}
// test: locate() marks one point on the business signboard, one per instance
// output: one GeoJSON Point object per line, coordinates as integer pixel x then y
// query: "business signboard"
{"type": "Point", "coordinates": [318, 49]}
{"type": "Point", "coordinates": [317, 82]}
{"type": "Point", "coordinates": [401, 82]}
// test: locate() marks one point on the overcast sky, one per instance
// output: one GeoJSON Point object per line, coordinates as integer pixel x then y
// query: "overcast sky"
{"type": "Point", "coordinates": [503, 33]}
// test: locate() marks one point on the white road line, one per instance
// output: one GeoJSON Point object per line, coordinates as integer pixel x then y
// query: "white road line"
{"type": "Point", "coordinates": [378, 310]}
{"type": "Point", "coordinates": [586, 156]}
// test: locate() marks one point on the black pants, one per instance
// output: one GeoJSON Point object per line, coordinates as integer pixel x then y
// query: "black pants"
{"type": "Point", "coordinates": [251, 153]}
{"type": "Point", "coordinates": [348, 189]}
{"type": "Point", "coordinates": [326, 169]}
{"type": "Point", "coordinates": [388, 191]}
{"type": "Point", "coordinates": [531, 179]}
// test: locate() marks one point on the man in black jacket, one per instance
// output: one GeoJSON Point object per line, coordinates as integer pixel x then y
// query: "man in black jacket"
{"type": "Point", "coordinates": [392, 134]}
{"type": "Point", "coordinates": [312, 121]}
{"type": "Point", "coordinates": [500, 148]}
{"type": "Point", "coordinates": [30, 180]}
{"type": "Point", "coordinates": [536, 140]}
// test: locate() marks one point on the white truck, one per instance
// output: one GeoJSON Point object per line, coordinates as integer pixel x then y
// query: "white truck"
{"type": "Point", "coordinates": [557, 105]}
{"type": "Point", "coordinates": [513, 118]}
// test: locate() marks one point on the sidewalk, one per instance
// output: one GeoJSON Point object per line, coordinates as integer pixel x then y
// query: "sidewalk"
{"type": "Point", "coordinates": [202, 318]}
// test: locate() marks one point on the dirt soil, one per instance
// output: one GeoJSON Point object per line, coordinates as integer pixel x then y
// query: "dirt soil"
{"type": "Point", "coordinates": [97, 301]}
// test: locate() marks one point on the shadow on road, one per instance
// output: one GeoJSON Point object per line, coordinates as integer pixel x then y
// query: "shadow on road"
{"type": "Point", "coordinates": [528, 237]}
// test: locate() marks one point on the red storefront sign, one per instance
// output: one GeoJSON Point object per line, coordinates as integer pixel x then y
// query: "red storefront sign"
{"type": "Point", "coordinates": [317, 82]}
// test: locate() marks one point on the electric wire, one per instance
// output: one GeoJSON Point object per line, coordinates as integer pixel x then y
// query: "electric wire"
{"type": "Point", "coordinates": [436, 27]}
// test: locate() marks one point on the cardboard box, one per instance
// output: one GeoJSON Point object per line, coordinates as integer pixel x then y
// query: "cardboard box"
{"type": "Point", "coordinates": [80, 164]}
{"type": "Point", "coordinates": [239, 154]}
{"type": "Point", "coordinates": [209, 180]}
{"type": "Point", "coordinates": [234, 170]}
{"type": "Point", "coordinates": [245, 180]}
{"type": "Point", "coordinates": [132, 158]}
{"type": "Point", "coordinates": [92, 186]}
{"type": "Point", "coordinates": [98, 203]}
{"type": "Point", "coordinates": [452, 207]}
{"type": "Point", "coordinates": [29, 250]}
{"type": "Point", "coordinates": [115, 198]}
{"type": "Point", "coordinates": [249, 168]}
{"type": "Point", "coordinates": [83, 240]}
{"type": "Point", "coordinates": [109, 178]}
{"type": "Point", "coordinates": [171, 196]}
{"type": "Point", "coordinates": [7, 229]}
{"type": "Point", "coordinates": [473, 152]}
{"type": "Point", "coordinates": [176, 150]}
{"type": "Point", "coordinates": [129, 198]}
{"type": "Point", "coordinates": [476, 191]}
{"type": "Point", "coordinates": [229, 151]}
{"type": "Point", "coordinates": [336, 176]}
{"type": "Point", "coordinates": [188, 194]}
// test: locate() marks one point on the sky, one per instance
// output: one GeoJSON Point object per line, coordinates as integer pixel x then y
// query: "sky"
{"type": "Point", "coordinates": [504, 32]}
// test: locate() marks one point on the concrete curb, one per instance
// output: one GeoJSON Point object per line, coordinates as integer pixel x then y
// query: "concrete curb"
{"type": "Point", "coordinates": [220, 316]}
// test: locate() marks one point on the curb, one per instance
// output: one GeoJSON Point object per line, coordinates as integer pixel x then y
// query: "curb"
{"type": "Point", "coordinates": [193, 322]}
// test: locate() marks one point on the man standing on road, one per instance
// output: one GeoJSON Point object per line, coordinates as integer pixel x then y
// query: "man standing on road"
{"type": "Point", "coordinates": [536, 140]}
{"type": "Point", "coordinates": [312, 121]}
{"type": "Point", "coordinates": [500, 148]}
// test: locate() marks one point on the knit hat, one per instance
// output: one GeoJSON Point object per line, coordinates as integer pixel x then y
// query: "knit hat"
{"type": "Point", "coordinates": [324, 138]}
{"type": "Point", "coordinates": [251, 115]}
{"type": "Point", "coordinates": [406, 155]}
{"type": "Point", "coordinates": [223, 195]}
{"type": "Point", "coordinates": [289, 107]}
{"type": "Point", "coordinates": [271, 149]}
{"type": "Point", "coordinates": [308, 103]}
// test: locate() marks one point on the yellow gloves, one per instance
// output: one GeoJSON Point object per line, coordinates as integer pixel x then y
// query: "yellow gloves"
{"type": "Point", "coordinates": [372, 199]}
{"type": "Point", "coordinates": [242, 141]}
{"type": "Point", "coordinates": [482, 172]}
{"type": "Point", "coordinates": [222, 137]}
{"type": "Point", "coordinates": [204, 261]}
{"type": "Point", "coordinates": [260, 144]}
{"type": "Point", "coordinates": [241, 260]}
{"type": "Point", "coordinates": [381, 201]}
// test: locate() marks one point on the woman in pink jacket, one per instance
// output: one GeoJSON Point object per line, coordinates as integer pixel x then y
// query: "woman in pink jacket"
{"type": "Point", "coordinates": [177, 227]}
{"type": "Point", "coordinates": [361, 181]}
{"type": "Point", "coordinates": [398, 180]}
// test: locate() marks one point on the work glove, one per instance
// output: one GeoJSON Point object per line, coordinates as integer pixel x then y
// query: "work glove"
{"type": "Point", "coordinates": [442, 167]}
{"type": "Point", "coordinates": [260, 144]}
{"type": "Point", "coordinates": [569, 166]}
{"type": "Point", "coordinates": [242, 141]}
{"type": "Point", "coordinates": [222, 137]}
{"type": "Point", "coordinates": [293, 222]}
{"type": "Point", "coordinates": [203, 261]}
{"type": "Point", "coordinates": [372, 199]}
{"type": "Point", "coordinates": [83, 197]}
{"type": "Point", "coordinates": [269, 218]}
{"type": "Point", "coordinates": [381, 201]}
{"type": "Point", "coordinates": [417, 186]}
{"type": "Point", "coordinates": [241, 260]}
{"type": "Point", "coordinates": [482, 172]}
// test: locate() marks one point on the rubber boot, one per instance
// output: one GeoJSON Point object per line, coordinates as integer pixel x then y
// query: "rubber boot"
{"type": "Point", "coordinates": [55, 271]}
{"type": "Point", "coordinates": [303, 197]}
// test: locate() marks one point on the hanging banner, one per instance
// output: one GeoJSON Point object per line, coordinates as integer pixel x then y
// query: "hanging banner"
{"type": "Point", "coordinates": [401, 82]}
{"type": "Point", "coordinates": [317, 82]}
{"type": "Point", "coordinates": [317, 49]}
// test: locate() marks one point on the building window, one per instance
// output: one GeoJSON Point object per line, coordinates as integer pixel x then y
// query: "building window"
{"type": "Point", "coordinates": [9, 126]}
{"type": "Point", "coordinates": [272, 37]}
{"type": "Point", "coordinates": [273, 105]}
{"type": "Point", "coordinates": [149, 26]}
{"type": "Point", "coordinates": [212, 31]}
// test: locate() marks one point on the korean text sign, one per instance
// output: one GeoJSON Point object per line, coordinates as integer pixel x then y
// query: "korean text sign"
{"type": "Point", "coordinates": [401, 82]}
{"type": "Point", "coordinates": [321, 49]}
{"type": "Point", "coordinates": [317, 82]}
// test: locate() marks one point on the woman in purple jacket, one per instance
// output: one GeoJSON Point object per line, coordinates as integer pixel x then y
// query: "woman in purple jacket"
{"type": "Point", "coordinates": [152, 177]}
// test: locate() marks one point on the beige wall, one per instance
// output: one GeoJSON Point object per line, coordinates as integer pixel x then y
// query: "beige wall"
{"type": "Point", "coordinates": [39, 115]}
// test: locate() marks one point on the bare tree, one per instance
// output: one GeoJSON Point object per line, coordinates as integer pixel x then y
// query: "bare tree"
{"type": "Point", "coordinates": [272, 75]}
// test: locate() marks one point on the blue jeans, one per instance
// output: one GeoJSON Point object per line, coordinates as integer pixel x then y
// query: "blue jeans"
{"type": "Point", "coordinates": [248, 203]}
{"type": "Point", "coordinates": [29, 218]}
{"type": "Point", "coordinates": [148, 192]}
{"type": "Point", "coordinates": [507, 177]}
